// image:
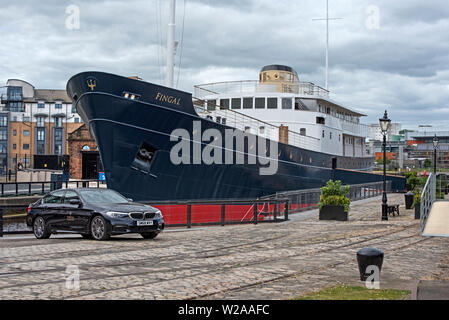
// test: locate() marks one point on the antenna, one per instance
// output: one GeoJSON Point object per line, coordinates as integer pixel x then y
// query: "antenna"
{"type": "Point", "coordinates": [170, 45]}
{"type": "Point", "coordinates": [327, 40]}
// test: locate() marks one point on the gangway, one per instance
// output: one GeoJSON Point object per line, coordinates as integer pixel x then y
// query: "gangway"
{"type": "Point", "coordinates": [434, 214]}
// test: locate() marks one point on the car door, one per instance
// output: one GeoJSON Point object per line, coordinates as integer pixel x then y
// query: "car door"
{"type": "Point", "coordinates": [51, 205]}
{"type": "Point", "coordinates": [77, 217]}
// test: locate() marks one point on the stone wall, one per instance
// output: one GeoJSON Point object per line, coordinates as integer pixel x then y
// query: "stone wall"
{"type": "Point", "coordinates": [78, 140]}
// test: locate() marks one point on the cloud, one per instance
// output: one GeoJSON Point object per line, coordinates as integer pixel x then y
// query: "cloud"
{"type": "Point", "coordinates": [402, 65]}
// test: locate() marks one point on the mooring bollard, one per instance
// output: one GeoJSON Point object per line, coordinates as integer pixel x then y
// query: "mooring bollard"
{"type": "Point", "coordinates": [369, 257]}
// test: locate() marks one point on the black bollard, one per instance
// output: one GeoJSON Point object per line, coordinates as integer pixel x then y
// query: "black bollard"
{"type": "Point", "coordinates": [369, 257]}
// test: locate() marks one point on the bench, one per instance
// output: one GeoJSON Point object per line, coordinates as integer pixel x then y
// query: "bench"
{"type": "Point", "coordinates": [392, 209]}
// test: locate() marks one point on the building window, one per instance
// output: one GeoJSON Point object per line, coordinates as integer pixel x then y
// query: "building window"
{"type": "Point", "coordinates": [236, 103]}
{"type": "Point", "coordinates": [14, 146]}
{"type": "Point", "coordinates": [287, 103]}
{"type": "Point", "coordinates": [272, 103]}
{"type": "Point", "coordinates": [26, 146]}
{"type": "Point", "coordinates": [40, 135]}
{"type": "Point", "coordinates": [73, 109]}
{"type": "Point", "coordinates": [40, 147]}
{"type": "Point", "coordinates": [3, 134]}
{"type": "Point", "coordinates": [26, 133]}
{"type": "Point", "coordinates": [3, 121]}
{"type": "Point", "coordinates": [14, 132]}
{"type": "Point", "coordinates": [26, 119]}
{"type": "Point", "coordinates": [41, 105]}
{"type": "Point", "coordinates": [58, 105]}
{"type": "Point", "coordinates": [40, 122]}
{"type": "Point", "coordinates": [247, 103]}
{"type": "Point", "coordinates": [260, 103]}
{"type": "Point", "coordinates": [77, 120]}
{"type": "Point", "coordinates": [58, 122]}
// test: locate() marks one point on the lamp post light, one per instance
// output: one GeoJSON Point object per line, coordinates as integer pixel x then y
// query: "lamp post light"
{"type": "Point", "coordinates": [435, 146]}
{"type": "Point", "coordinates": [384, 127]}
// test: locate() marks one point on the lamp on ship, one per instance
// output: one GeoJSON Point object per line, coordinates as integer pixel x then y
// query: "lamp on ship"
{"type": "Point", "coordinates": [384, 127]}
{"type": "Point", "coordinates": [435, 146]}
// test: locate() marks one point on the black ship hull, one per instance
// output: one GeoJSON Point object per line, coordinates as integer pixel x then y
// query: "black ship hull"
{"type": "Point", "coordinates": [126, 130]}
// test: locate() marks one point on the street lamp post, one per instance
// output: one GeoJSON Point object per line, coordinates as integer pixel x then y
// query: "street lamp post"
{"type": "Point", "coordinates": [384, 127]}
{"type": "Point", "coordinates": [435, 146]}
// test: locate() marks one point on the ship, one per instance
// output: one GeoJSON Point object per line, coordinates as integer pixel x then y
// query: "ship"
{"type": "Point", "coordinates": [160, 143]}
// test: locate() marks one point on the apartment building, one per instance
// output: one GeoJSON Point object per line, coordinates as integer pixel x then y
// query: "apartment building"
{"type": "Point", "coordinates": [33, 121]}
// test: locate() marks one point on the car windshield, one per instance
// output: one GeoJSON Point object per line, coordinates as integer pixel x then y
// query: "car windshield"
{"type": "Point", "coordinates": [102, 196]}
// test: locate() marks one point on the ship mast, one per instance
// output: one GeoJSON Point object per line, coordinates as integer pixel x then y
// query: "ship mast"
{"type": "Point", "coordinates": [327, 41]}
{"type": "Point", "coordinates": [170, 45]}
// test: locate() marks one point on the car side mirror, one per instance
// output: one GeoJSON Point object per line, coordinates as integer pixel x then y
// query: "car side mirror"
{"type": "Point", "coordinates": [129, 199]}
{"type": "Point", "coordinates": [75, 202]}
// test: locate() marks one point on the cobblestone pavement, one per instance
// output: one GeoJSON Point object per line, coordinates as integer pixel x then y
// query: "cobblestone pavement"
{"type": "Point", "coordinates": [264, 261]}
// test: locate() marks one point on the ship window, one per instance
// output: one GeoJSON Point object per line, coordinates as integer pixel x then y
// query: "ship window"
{"type": "Point", "coordinates": [218, 119]}
{"type": "Point", "coordinates": [320, 120]}
{"type": "Point", "coordinates": [323, 134]}
{"type": "Point", "coordinates": [211, 104]}
{"type": "Point", "coordinates": [223, 120]}
{"type": "Point", "coordinates": [247, 103]}
{"type": "Point", "coordinates": [132, 96]}
{"type": "Point", "coordinates": [262, 129]}
{"type": "Point", "coordinates": [224, 103]}
{"type": "Point", "coordinates": [272, 103]}
{"type": "Point", "coordinates": [247, 129]}
{"type": "Point", "coordinates": [144, 157]}
{"type": "Point", "coordinates": [286, 103]}
{"type": "Point", "coordinates": [260, 103]}
{"type": "Point", "coordinates": [330, 135]}
{"type": "Point", "coordinates": [236, 103]}
{"type": "Point", "coordinates": [302, 131]}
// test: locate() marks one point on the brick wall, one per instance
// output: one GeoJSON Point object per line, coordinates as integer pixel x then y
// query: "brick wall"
{"type": "Point", "coordinates": [77, 140]}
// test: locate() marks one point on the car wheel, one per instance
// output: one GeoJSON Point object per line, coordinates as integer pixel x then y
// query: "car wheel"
{"type": "Point", "coordinates": [149, 235]}
{"type": "Point", "coordinates": [40, 229]}
{"type": "Point", "coordinates": [99, 228]}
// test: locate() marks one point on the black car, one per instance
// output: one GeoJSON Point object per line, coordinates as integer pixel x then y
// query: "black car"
{"type": "Point", "coordinates": [94, 213]}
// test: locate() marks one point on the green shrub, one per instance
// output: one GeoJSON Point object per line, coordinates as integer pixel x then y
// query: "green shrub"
{"type": "Point", "coordinates": [334, 194]}
{"type": "Point", "coordinates": [416, 199]}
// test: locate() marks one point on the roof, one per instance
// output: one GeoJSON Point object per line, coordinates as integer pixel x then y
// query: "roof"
{"type": "Point", "coordinates": [279, 67]}
{"type": "Point", "coordinates": [49, 96]}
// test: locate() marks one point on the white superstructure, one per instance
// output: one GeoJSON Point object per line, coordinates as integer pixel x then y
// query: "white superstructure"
{"type": "Point", "coordinates": [278, 103]}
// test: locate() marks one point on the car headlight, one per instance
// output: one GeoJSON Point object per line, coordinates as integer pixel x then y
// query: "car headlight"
{"type": "Point", "coordinates": [115, 215]}
{"type": "Point", "coordinates": [158, 215]}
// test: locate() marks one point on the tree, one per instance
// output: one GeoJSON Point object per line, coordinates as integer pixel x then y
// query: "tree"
{"type": "Point", "coordinates": [427, 163]}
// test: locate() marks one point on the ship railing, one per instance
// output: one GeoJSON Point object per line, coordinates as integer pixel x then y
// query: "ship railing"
{"type": "Point", "coordinates": [308, 199]}
{"type": "Point", "coordinates": [254, 86]}
{"type": "Point", "coordinates": [357, 129]}
{"type": "Point", "coordinates": [254, 126]}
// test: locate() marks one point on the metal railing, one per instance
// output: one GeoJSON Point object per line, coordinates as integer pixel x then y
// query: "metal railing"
{"type": "Point", "coordinates": [223, 212]}
{"type": "Point", "coordinates": [308, 199]}
{"type": "Point", "coordinates": [38, 188]}
{"type": "Point", "coordinates": [188, 213]}
{"type": "Point", "coordinates": [257, 127]}
{"type": "Point", "coordinates": [254, 86]}
{"type": "Point", "coordinates": [427, 199]}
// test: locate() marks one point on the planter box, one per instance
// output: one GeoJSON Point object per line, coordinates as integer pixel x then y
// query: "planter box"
{"type": "Point", "coordinates": [333, 213]}
{"type": "Point", "coordinates": [409, 196]}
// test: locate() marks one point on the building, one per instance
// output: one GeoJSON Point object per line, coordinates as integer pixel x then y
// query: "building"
{"type": "Point", "coordinates": [374, 132]}
{"type": "Point", "coordinates": [33, 121]}
{"type": "Point", "coordinates": [85, 162]}
{"type": "Point", "coordinates": [420, 147]}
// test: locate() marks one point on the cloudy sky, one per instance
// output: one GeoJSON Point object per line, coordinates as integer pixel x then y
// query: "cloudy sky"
{"type": "Point", "coordinates": [383, 54]}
